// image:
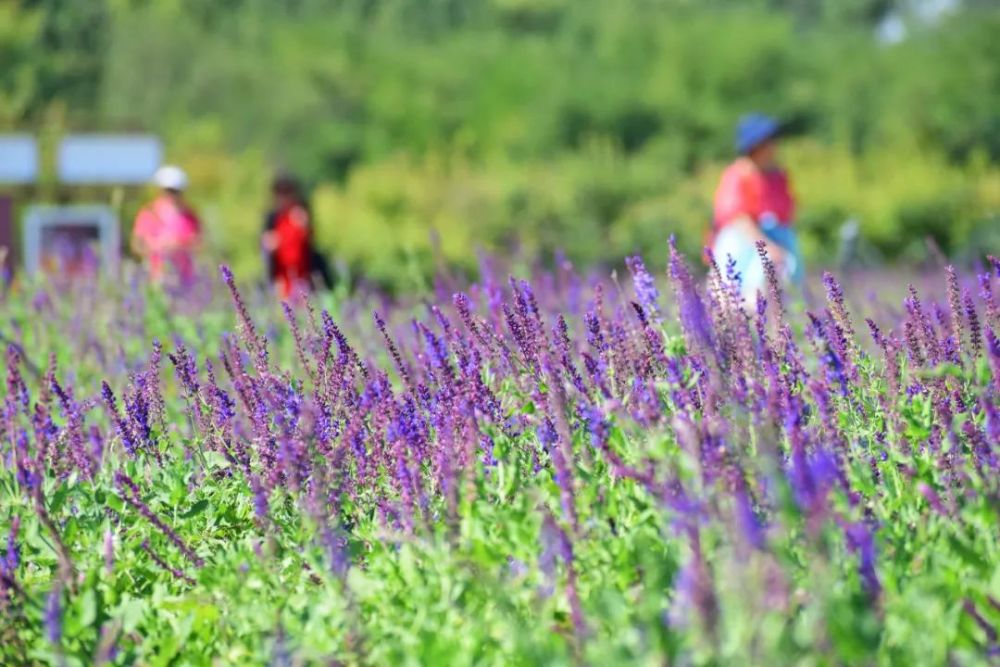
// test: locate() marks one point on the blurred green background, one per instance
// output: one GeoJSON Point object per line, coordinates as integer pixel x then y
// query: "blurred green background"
{"type": "Point", "coordinates": [594, 126]}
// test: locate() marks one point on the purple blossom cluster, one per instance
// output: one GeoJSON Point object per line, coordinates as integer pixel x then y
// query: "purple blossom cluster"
{"type": "Point", "coordinates": [572, 379]}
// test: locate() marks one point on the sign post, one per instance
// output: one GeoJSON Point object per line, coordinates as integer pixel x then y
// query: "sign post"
{"type": "Point", "coordinates": [71, 240]}
{"type": "Point", "coordinates": [19, 166]}
{"type": "Point", "coordinates": [108, 159]}
{"type": "Point", "coordinates": [82, 239]}
{"type": "Point", "coordinates": [8, 257]}
{"type": "Point", "coordinates": [74, 239]}
{"type": "Point", "coordinates": [18, 159]}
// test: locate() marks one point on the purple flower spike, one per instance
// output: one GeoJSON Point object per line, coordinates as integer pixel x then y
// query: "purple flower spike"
{"type": "Point", "coordinates": [694, 317]}
{"type": "Point", "coordinates": [337, 548]}
{"type": "Point", "coordinates": [122, 428]}
{"type": "Point", "coordinates": [695, 590]}
{"type": "Point", "coordinates": [557, 544]}
{"type": "Point", "coordinates": [12, 557]}
{"type": "Point", "coordinates": [130, 494]}
{"type": "Point", "coordinates": [390, 344]}
{"type": "Point", "coordinates": [954, 320]}
{"type": "Point", "coordinates": [862, 542]}
{"type": "Point", "coordinates": [835, 297]}
{"type": "Point", "coordinates": [53, 616]}
{"type": "Point", "coordinates": [156, 558]}
{"type": "Point", "coordinates": [771, 272]}
{"type": "Point", "coordinates": [993, 346]}
{"type": "Point", "coordinates": [645, 286]}
{"type": "Point", "coordinates": [109, 550]}
{"type": "Point", "coordinates": [750, 525]}
{"type": "Point", "coordinates": [972, 321]}
{"type": "Point", "coordinates": [255, 344]}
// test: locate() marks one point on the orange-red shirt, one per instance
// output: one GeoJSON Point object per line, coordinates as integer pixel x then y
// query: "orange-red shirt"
{"type": "Point", "coordinates": [747, 190]}
{"type": "Point", "coordinates": [292, 252]}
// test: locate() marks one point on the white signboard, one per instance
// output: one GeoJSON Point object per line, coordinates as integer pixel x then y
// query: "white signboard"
{"type": "Point", "coordinates": [68, 241]}
{"type": "Point", "coordinates": [108, 159]}
{"type": "Point", "coordinates": [18, 159]}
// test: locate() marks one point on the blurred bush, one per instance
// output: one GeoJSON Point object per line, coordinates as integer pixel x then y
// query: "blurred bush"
{"type": "Point", "coordinates": [601, 204]}
{"type": "Point", "coordinates": [595, 127]}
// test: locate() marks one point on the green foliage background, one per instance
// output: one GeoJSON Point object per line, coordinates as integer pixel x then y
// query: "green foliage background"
{"type": "Point", "coordinates": [597, 127]}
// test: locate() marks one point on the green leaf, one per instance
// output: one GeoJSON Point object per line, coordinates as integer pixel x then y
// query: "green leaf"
{"type": "Point", "coordinates": [58, 498]}
{"type": "Point", "coordinates": [88, 608]}
{"type": "Point", "coordinates": [131, 613]}
{"type": "Point", "coordinates": [196, 509]}
{"type": "Point", "coordinates": [215, 460]}
{"type": "Point", "coordinates": [969, 555]}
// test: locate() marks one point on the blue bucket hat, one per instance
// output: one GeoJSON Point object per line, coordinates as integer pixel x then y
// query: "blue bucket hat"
{"type": "Point", "coordinates": [754, 129]}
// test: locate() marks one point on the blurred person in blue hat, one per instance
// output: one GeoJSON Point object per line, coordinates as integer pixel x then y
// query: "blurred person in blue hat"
{"type": "Point", "coordinates": [753, 202]}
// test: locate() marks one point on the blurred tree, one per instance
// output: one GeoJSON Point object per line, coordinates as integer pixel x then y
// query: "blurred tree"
{"type": "Point", "coordinates": [20, 73]}
{"type": "Point", "coordinates": [946, 84]}
{"type": "Point", "coordinates": [597, 125]}
{"type": "Point", "coordinates": [72, 44]}
{"type": "Point", "coordinates": [867, 13]}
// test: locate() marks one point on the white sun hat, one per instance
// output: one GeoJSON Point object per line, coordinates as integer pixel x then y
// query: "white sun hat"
{"type": "Point", "coordinates": [170, 177]}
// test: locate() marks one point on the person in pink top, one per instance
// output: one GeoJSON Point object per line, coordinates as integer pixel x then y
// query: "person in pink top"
{"type": "Point", "coordinates": [754, 202]}
{"type": "Point", "coordinates": [167, 231]}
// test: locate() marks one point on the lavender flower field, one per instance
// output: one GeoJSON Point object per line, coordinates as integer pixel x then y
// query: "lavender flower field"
{"type": "Point", "coordinates": [551, 469]}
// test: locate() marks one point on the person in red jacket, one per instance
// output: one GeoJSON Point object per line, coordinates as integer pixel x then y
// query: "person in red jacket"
{"type": "Point", "coordinates": [287, 239]}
